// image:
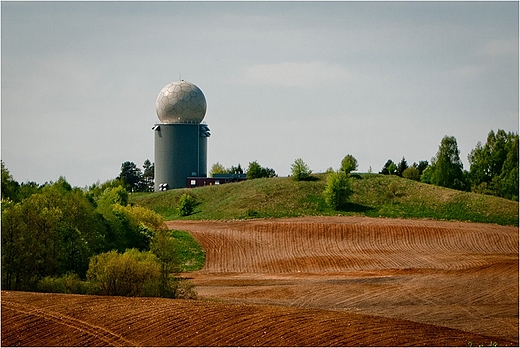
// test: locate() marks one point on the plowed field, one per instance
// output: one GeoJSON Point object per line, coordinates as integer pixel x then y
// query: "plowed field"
{"type": "Point", "coordinates": [305, 282]}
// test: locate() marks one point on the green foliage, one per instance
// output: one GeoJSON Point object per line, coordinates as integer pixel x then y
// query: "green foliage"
{"type": "Point", "coordinates": [186, 204]}
{"type": "Point", "coordinates": [133, 273]}
{"type": "Point", "coordinates": [95, 191]}
{"type": "Point", "coordinates": [426, 176]}
{"type": "Point", "coordinates": [110, 196]}
{"type": "Point", "coordinates": [139, 273]}
{"type": "Point", "coordinates": [401, 167]}
{"type": "Point", "coordinates": [50, 233]}
{"type": "Point", "coordinates": [136, 180]}
{"type": "Point", "coordinates": [16, 270]}
{"type": "Point", "coordinates": [9, 185]}
{"type": "Point", "coordinates": [421, 166]}
{"type": "Point", "coordinates": [236, 170]}
{"type": "Point", "coordinates": [134, 226]}
{"type": "Point", "coordinates": [56, 230]}
{"type": "Point", "coordinates": [147, 180]}
{"type": "Point", "coordinates": [392, 190]}
{"type": "Point", "coordinates": [217, 168]}
{"type": "Point", "coordinates": [131, 176]}
{"type": "Point", "coordinates": [256, 171]}
{"type": "Point", "coordinates": [164, 248]}
{"type": "Point", "coordinates": [69, 283]}
{"type": "Point", "coordinates": [300, 170]}
{"type": "Point", "coordinates": [58, 235]}
{"type": "Point", "coordinates": [392, 169]}
{"type": "Point", "coordinates": [14, 191]}
{"type": "Point", "coordinates": [338, 190]}
{"type": "Point", "coordinates": [127, 227]}
{"type": "Point", "coordinates": [389, 168]}
{"type": "Point", "coordinates": [412, 173]}
{"type": "Point", "coordinates": [447, 166]}
{"type": "Point", "coordinates": [349, 164]}
{"type": "Point", "coordinates": [494, 166]}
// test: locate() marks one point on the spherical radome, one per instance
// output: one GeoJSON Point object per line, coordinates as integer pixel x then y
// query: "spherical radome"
{"type": "Point", "coordinates": [181, 102]}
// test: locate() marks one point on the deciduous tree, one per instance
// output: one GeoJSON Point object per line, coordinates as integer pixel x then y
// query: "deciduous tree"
{"type": "Point", "coordinates": [300, 170]}
{"type": "Point", "coordinates": [494, 165]}
{"type": "Point", "coordinates": [217, 168]}
{"type": "Point", "coordinates": [349, 164]}
{"type": "Point", "coordinates": [165, 249]}
{"type": "Point", "coordinates": [447, 166]}
{"type": "Point", "coordinates": [412, 173]}
{"type": "Point", "coordinates": [255, 171]}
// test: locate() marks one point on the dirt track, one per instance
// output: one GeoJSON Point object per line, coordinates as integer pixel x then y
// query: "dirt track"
{"type": "Point", "coordinates": [309, 281]}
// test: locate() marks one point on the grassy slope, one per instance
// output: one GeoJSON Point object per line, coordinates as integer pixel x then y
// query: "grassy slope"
{"type": "Point", "coordinates": [374, 195]}
{"type": "Point", "coordinates": [191, 255]}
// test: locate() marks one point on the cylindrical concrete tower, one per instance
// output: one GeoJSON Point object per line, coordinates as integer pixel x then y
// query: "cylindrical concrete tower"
{"type": "Point", "coordinates": [180, 138]}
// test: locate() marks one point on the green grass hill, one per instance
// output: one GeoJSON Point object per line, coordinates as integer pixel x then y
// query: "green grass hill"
{"type": "Point", "coordinates": [374, 196]}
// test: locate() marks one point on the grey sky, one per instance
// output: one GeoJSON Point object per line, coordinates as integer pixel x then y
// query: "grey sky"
{"type": "Point", "coordinates": [314, 80]}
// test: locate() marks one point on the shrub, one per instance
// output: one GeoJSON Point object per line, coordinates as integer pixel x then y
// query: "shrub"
{"type": "Point", "coordinates": [412, 173]}
{"type": "Point", "coordinates": [128, 274]}
{"type": "Point", "coordinates": [67, 284]}
{"type": "Point", "coordinates": [51, 284]}
{"type": "Point", "coordinates": [337, 192]}
{"type": "Point", "coordinates": [392, 191]}
{"type": "Point", "coordinates": [186, 204]}
{"type": "Point", "coordinates": [300, 170]}
{"type": "Point", "coordinates": [164, 247]}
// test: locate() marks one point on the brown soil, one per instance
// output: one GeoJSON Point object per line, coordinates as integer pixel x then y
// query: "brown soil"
{"type": "Point", "coordinates": [320, 281]}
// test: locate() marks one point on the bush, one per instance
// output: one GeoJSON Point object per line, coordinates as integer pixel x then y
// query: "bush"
{"type": "Point", "coordinates": [300, 170]}
{"type": "Point", "coordinates": [187, 204]}
{"type": "Point", "coordinates": [66, 284]}
{"type": "Point", "coordinates": [412, 173]}
{"type": "Point", "coordinates": [392, 191]}
{"type": "Point", "coordinates": [337, 192]}
{"type": "Point", "coordinates": [133, 273]}
{"type": "Point", "coordinates": [164, 247]}
{"type": "Point", "coordinates": [137, 273]}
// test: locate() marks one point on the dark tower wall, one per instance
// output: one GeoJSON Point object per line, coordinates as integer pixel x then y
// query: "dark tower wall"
{"type": "Point", "coordinates": [180, 151]}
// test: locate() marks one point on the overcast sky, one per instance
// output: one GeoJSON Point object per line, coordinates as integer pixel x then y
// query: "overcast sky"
{"type": "Point", "coordinates": [310, 80]}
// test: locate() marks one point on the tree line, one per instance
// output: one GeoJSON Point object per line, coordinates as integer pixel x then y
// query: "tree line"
{"type": "Point", "coordinates": [253, 171]}
{"type": "Point", "coordinates": [135, 179]}
{"type": "Point", "coordinates": [493, 166]}
{"type": "Point", "coordinates": [54, 235]}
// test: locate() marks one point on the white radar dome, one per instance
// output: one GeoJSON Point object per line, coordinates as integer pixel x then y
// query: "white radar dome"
{"type": "Point", "coordinates": [181, 102]}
